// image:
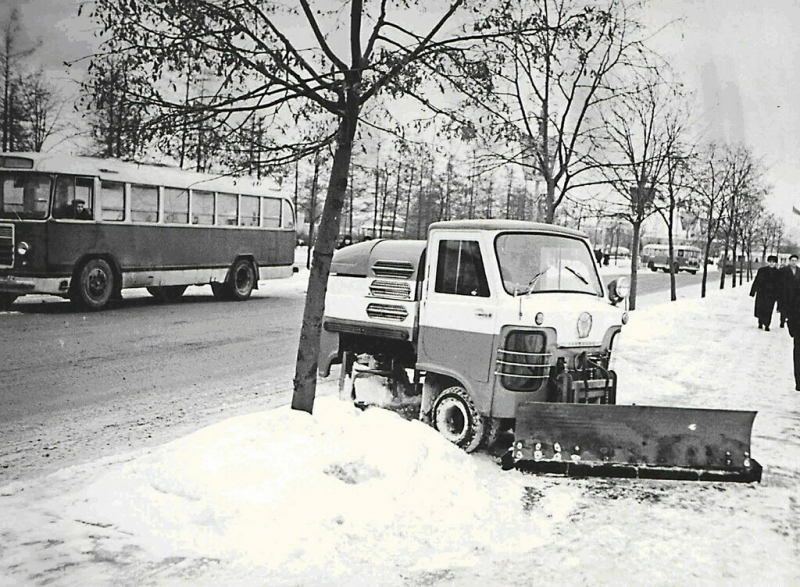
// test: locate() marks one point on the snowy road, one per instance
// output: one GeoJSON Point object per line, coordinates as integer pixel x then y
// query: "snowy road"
{"type": "Point", "coordinates": [76, 386]}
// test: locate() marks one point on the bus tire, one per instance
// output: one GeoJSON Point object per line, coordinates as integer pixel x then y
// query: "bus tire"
{"type": "Point", "coordinates": [167, 293]}
{"type": "Point", "coordinates": [242, 280]}
{"type": "Point", "coordinates": [455, 417]}
{"type": "Point", "coordinates": [6, 299]}
{"type": "Point", "coordinates": [94, 285]}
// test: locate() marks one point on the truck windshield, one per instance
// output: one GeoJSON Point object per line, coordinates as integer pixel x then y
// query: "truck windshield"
{"type": "Point", "coordinates": [24, 195]}
{"type": "Point", "coordinates": [544, 262]}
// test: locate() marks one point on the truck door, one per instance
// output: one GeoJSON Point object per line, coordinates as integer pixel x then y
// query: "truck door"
{"type": "Point", "coordinates": [457, 316]}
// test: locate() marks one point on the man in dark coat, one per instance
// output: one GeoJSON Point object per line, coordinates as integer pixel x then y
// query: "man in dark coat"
{"type": "Point", "coordinates": [790, 303]}
{"type": "Point", "coordinates": [766, 289]}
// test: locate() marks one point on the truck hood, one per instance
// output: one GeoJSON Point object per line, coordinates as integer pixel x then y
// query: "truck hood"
{"type": "Point", "coordinates": [562, 312]}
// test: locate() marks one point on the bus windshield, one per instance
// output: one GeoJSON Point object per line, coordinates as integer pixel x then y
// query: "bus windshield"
{"type": "Point", "coordinates": [544, 262]}
{"type": "Point", "coordinates": [24, 195]}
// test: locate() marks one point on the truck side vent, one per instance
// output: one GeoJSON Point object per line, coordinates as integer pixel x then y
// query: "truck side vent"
{"type": "Point", "coordinates": [6, 245]}
{"type": "Point", "coordinates": [396, 290]}
{"type": "Point", "coordinates": [395, 269]}
{"type": "Point", "coordinates": [387, 312]}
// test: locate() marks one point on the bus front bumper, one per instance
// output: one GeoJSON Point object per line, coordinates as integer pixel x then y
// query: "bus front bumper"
{"type": "Point", "coordinates": [32, 285]}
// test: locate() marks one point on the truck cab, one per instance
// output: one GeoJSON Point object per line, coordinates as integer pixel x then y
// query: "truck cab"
{"type": "Point", "coordinates": [485, 315]}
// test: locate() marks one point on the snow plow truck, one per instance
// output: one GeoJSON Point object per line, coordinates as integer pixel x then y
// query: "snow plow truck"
{"type": "Point", "coordinates": [496, 327]}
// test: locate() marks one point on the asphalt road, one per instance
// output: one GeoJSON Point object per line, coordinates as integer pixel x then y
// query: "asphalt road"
{"type": "Point", "coordinates": [76, 386]}
{"type": "Point", "coordinates": [79, 385]}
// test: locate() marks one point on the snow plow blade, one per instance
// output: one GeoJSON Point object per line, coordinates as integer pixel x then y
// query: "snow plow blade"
{"type": "Point", "coordinates": [645, 442]}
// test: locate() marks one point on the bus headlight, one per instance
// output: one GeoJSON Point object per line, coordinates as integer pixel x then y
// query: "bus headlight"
{"type": "Point", "coordinates": [23, 248]}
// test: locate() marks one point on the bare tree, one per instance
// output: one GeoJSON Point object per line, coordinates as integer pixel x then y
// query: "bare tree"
{"type": "Point", "coordinates": [710, 179]}
{"type": "Point", "coordinates": [675, 189]}
{"type": "Point", "coordinates": [742, 173]}
{"type": "Point", "coordinates": [638, 143]}
{"type": "Point", "coordinates": [11, 57]}
{"type": "Point", "coordinates": [543, 83]}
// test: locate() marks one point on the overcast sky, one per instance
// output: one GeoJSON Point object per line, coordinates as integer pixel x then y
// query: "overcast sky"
{"type": "Point", "coordinates": [738, 56]}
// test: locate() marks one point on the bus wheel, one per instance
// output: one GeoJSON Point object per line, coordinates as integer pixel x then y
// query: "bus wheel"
{"type": "Point", "coordinates": [455, 417]}
{"type": "Point", "coordinates": [243, 280]}
{"type": "Point", "coordinates": [6, 299]}
{"type": "Point", "coordinates": [167, 293]}
{"type": "Point", "coordinates": [95, 284]}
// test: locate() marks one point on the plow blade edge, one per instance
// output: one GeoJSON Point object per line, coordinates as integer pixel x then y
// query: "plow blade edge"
{"type": "Point", "coordinates": [634, 441]}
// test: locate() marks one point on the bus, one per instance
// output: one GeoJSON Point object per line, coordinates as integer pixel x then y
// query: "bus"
{"type": "Point", "coordinates": [687, 258]}
{"type": "Point", "coordinates": [85, 228]}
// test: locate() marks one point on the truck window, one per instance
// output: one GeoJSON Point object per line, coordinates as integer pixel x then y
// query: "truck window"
{"type": "Point", "coordinates": [460, 269]}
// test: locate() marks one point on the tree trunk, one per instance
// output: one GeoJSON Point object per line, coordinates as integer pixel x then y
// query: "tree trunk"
{"type": "Point", "coordinates": [637, 228]}
{"type": "Point", "coordinates": [305, 379]}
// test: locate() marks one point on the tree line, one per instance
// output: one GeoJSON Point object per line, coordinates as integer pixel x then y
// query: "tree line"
{"type": "Point", "coordinates": [408, 113]}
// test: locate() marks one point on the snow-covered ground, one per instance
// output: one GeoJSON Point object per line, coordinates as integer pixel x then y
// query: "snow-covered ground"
{"type": "Point", "coordinates": [352, 498]}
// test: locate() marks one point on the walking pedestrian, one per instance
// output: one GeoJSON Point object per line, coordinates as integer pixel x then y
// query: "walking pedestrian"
{"type": "Point", "coordinates": [790, 302]}
{"type": "Point", "coordinates": [766, 289]}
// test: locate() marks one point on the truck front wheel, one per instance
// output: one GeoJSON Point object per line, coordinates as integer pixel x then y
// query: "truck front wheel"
{"type": "Point", "coordinates": [455, 417]}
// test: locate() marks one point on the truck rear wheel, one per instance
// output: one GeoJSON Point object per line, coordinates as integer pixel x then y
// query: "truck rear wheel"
{"type": "Point", "coordinates": [455, 417]}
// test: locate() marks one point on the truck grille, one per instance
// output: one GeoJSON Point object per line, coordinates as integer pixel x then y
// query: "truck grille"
{"type": "Point", "coordinates": [396, 290]}
{"type": "Point", "coordinates": [6, 245]}
{"type": "Point", "coordinates": [387, 312]}
{"type": "Point", "coordinates": [395, 269]}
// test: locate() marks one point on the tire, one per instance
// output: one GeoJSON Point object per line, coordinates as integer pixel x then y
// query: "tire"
{"type": "Point", "coordinates": [455, 417]}
{"type": "Point", "coordinates": [242, 280]}
{"type": "Point", "coordinates": [167, 293]}
{"type": "Point", "coordinates": [95, 285]}
{"type": "Point", "coordinates": [6, 299]}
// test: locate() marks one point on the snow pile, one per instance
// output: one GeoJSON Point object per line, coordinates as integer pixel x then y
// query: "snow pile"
{"type": "Point", "coordinates": [348, 497]}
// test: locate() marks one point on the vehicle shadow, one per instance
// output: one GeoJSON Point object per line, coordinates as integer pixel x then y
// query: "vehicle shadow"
{"type": "Point", "coordinates": [56, 305]}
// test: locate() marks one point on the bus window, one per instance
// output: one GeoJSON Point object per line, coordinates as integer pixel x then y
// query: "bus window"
{"type": "Point", "coordinates": [112, 201]}
{"type": "Point", "coordinates": [288, 217]}
{"type": "Point", "coordinates": [144, 203]}
{"type": "Point", "coordinates": [176, 206]}
{"type": "Point", "coordinates": [24, 195]}
{"type": "Point", "coordinates": [202, 207]}
{"type": "Point", "coordinates": [271, 213]}
{"type": "Point", "coordinates": [74, 198]}
{"type": "Point", "coordinates": [227, 205]}
{"type": "Point", "coordinates": [250, 211]}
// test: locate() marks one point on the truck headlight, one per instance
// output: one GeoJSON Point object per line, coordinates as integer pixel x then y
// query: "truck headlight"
{"type": "Point", "coordinates": [584, 325]}
{"type": "Point", "coordinates": [23, 248]}
{"type": "Point", "coordinates": [618, 290]}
